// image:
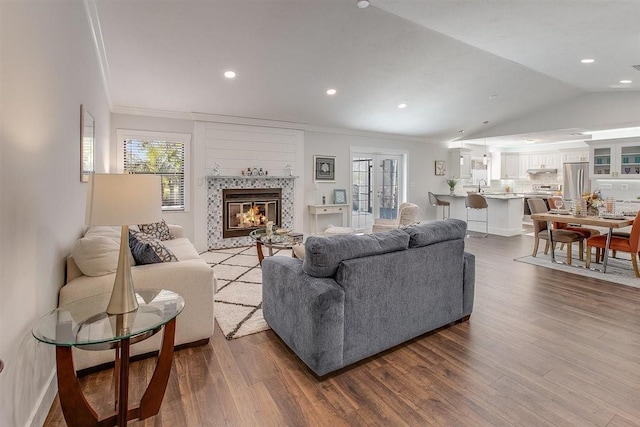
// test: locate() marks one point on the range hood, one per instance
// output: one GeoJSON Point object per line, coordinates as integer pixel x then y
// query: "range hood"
{"type": "Point", "coordinates": [541, 170]}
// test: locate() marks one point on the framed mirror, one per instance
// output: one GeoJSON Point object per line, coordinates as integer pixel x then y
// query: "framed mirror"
{"type": "Point", "coordinates": [87, 140]}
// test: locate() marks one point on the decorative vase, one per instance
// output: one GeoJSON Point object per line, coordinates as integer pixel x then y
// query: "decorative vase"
{"type": "Point", "coordinates": [452, 191]}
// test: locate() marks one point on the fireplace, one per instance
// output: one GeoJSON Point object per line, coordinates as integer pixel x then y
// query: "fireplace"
{"type": "Point", "coordinates": [245, 209]}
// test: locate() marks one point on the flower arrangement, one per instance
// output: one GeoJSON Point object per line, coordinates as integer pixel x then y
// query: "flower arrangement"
{"type": "Point", "coordinates": [594, 200]}
{"type": "Point", "coordinates": [451, 182]}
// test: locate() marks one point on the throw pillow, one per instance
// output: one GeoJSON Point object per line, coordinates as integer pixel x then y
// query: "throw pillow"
{"type": "Point", "coordinates": [149, 250]}
{"type": "Point", "coordinates": [298, 250]}
{"type": "Point", "coordinates": [159, 230]}
{"type": "Point", "coordinates": [96, 255]}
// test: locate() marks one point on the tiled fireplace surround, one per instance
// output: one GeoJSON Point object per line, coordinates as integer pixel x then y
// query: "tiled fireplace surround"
{"type": "Point", "coordinates": [215, 185]}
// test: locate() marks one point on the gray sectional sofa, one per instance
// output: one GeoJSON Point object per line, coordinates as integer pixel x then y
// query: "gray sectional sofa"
{"type": "Point", "coordinates": [355, 296]}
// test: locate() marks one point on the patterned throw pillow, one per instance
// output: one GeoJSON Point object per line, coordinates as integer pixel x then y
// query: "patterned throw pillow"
{"type": "Point", "coordinates": [149, 250]}
{"type": "Point", "coordinates": [159, 230]}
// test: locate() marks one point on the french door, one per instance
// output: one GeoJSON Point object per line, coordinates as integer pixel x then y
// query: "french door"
{"type": "Point", "coordinates": [378, 187]}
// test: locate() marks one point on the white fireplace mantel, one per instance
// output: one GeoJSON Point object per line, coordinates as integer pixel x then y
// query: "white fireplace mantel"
{"type": "Point", "coordinates": [217, 183]}
{"type": "Point", "coordinates": [252, 176]}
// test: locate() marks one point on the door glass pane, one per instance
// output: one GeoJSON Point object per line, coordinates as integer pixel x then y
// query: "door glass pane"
{"type": "Point", "coordinates": [388, 189]}
{"type": "Point", "coordinates": [362, 211]}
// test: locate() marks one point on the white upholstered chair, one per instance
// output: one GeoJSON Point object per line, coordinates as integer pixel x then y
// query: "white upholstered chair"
{"type": "Point", "coordinates": [407, 214]}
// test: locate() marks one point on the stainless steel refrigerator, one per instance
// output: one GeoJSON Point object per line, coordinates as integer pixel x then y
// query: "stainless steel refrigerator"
{"type": "Point", "coordinates": [576, 180]}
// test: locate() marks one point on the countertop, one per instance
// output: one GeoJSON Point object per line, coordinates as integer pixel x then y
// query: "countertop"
{"type": "Point", "coordinates": [498, 196]}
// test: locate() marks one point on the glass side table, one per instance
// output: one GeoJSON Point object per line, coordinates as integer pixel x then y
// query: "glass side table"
{"type": "Point", "coordinates": [274, 241]}
{"type": "Point", "coordinates": [85, 324]}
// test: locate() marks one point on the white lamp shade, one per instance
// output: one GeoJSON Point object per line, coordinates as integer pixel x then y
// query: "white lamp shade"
{"type": "Point", "coordinates": [117, 199]}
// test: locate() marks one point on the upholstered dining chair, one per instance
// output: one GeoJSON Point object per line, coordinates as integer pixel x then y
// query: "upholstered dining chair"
{"type": "Point", "coordinates": [629, 244]}
{"type": "Point", "coordinates": [477, 201]}
{"type": "Point", "coordinates": [555, 202]}
{"type": "Point", "coordinates": [540, 231]}
{"type": "Point", "coordinates": [436, 201]}
{"type": "Point", "coordinates": [407, 214]}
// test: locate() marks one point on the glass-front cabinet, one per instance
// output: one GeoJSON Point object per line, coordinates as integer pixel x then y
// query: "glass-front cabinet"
{"type": "Point", "coordinates": [615, 158]}
{"type": "Point", "coordinates": [601, 162]}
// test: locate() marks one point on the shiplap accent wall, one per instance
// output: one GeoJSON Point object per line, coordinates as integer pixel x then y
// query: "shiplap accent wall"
{"type": "Point", "coordinates": [237, 147]}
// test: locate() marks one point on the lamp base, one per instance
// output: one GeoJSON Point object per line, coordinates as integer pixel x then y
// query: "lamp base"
{"type": "Point", "coordinates": [123, 296]}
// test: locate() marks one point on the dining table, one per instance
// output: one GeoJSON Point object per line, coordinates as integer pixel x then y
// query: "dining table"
{"type": "Point", "coordinates": [593, 220]}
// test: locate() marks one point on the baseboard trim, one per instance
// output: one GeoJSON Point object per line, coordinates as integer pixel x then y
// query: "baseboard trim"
{"type": "Point", "coordinates": [44, 402]}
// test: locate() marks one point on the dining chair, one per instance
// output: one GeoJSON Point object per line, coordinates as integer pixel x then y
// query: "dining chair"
{"type": "Point", "coordinates": [477, 201]}
{"type": "Point", "coordinates": [556, 202]}
{"type": "Point", "coordinates": [541, 231]}
{"type": "Point", "coordinates": [629, 244]}
{"type": "Point", "coordinates": [436, 201]}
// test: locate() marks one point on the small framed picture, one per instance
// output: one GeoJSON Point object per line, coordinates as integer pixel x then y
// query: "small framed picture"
{"type": "Point", "coordinates": [324, 169]}
{"type": "Point", "coordinates": [339, 197]}
{"type": "Point", "coordinates": [441, 167]}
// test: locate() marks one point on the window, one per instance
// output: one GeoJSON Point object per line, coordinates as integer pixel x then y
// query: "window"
{"type": "Point", "coordinates": [159, 154]}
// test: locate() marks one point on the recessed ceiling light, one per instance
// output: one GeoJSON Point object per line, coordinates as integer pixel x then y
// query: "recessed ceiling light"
{"type": "Point", "coordinates": [530, 141]}
{"type": "Point", "coordinates": [625, 82]}
{"type": "Point", "coordinates": [229, 74]}
{"type": "Point", "coordinates": [588, 61]}
{"type": "Point", "coordinates": [362, 4]}
{"type": "Point", "coordinates": [403, 105]}
{"type": "Point", "coordinates": [331, 91]}
{"type": "Point", "coordinates": [493, 96]}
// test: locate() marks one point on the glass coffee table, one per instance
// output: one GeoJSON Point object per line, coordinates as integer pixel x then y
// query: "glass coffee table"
{"type": "Point", "coordinates": [85, 324]}
{"type": "Point", "coordinates": [282, 240]}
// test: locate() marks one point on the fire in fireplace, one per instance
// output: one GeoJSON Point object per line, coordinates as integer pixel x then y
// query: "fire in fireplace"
{"type": "Point", "coordinates": [246, 209]}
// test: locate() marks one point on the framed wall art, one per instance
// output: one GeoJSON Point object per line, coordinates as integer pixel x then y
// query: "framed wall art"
{"type": "Point", "coordinates": [441, 167]}
{"type": "Point", "coordinates": [87, 141]}
{"type": "Point", "coordinates": [324, 169]}
{"type": "Point", "coordinates": [340, 197]}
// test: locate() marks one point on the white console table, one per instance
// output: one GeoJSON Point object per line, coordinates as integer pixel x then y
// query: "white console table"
{"type": "Point", "coordinates": [316, 210]}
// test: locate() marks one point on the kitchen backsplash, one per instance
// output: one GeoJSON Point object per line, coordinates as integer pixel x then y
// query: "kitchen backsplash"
{"type": "Point", "coordinates": [621, 189]}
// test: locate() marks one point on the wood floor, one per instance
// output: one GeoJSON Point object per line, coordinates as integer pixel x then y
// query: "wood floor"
{"type": "Point", "coordinates": [542, 348]}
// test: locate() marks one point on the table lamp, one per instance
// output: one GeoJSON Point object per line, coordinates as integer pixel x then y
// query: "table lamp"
{"type": "Point", "coordinates": [117, 199]}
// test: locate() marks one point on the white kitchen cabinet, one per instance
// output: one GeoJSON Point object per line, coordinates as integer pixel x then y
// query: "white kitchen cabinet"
{"type": "Point", "coordinates": [575, 156]}
{"type": "Point", "coordinates": [525, 164]}
{"type": "Point", "coordinates": [510, 166]}
{"type": "Point", "coordinates": [615, 158]}
{"type": "Point", "coordinates": [544, 161]}
{"type": "Point", "coordinates": [456, 169]}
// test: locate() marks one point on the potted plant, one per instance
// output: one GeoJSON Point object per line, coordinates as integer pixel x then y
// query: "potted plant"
{"type": "Point", "coordinates": [451, 182]}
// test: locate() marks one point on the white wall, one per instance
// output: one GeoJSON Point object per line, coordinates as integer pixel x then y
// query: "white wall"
{"type": "Point", "coordinates": [421, 176]}
{"type": "Point", "coordinates": [158, 124]}
{"type": "Point", "coordinates": [420, 173]}
{"type": "Point", "coordinates": [49, 67]}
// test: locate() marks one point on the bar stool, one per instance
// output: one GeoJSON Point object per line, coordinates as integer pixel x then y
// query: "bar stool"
{"type": "Point", "coordinates": [477, 201]}
{"type": "Point", "coordinates": [435, 201]}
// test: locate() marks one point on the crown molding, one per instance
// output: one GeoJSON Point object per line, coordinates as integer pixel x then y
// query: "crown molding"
{"type": "Point", "coordinates": [152, 113]}
{"type": "Point", "coordinates": [368, 134]}
{"type": "Point", "coordinates": [94, 23]}
{"type": "Point", "coordinates": [251, 121]}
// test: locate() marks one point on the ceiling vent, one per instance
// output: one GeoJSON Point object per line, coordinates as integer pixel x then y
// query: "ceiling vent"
{"type": "Point", "coordinates": [637, 67]}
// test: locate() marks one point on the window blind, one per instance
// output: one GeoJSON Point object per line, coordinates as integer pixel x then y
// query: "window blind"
{"type": "Point", "coordinates": [164, 158]}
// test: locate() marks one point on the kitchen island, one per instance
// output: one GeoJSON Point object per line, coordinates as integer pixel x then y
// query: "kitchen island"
{"type": "Point", "coordinates": [505, 212]}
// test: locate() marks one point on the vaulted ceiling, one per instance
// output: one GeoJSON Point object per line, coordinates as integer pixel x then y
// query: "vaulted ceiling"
{"type": "Point", "coordinates": [454, 63]}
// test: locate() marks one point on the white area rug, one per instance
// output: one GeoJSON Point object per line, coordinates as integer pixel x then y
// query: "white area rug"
{"type": "Point", "coordinates": [619, 269]}
{"type": "Point", "coordinates": [238, 301]}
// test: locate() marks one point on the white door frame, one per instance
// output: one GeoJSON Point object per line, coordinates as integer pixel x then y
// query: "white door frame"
{"type": "Point", "coordinates": [376, 153]}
